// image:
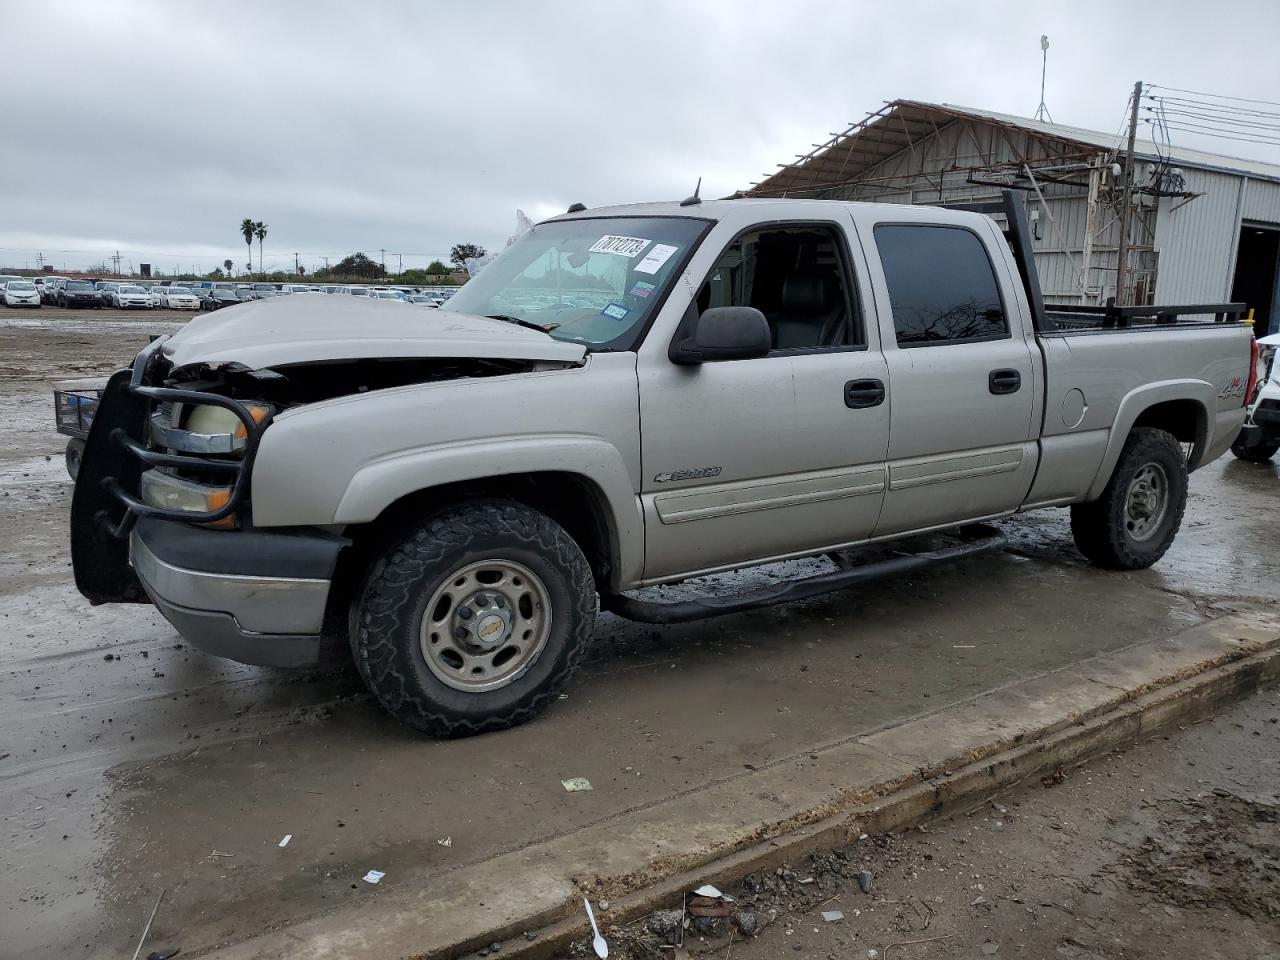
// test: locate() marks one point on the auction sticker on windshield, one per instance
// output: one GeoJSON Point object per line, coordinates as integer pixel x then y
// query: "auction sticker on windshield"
{"type": "Point", "coordinates": [655, 258]}
{"type": "Point", "coordinates": [619, 246]}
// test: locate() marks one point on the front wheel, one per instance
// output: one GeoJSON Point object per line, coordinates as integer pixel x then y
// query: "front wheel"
{"type": "Point", "coordinates": [475, 621]}
{"type": "Point", "coordinates": [1135, 520]}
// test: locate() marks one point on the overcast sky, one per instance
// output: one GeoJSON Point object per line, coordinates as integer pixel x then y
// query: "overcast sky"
{"type": "Point", "coordinates": [156, 127]}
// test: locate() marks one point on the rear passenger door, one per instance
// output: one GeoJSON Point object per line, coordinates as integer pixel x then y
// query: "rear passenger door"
{"type": "Point", "coordinates": [966, 396]}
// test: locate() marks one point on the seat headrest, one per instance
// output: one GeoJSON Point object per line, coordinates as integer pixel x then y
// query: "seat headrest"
{"type": "Point", "coordinates": [804, 294]}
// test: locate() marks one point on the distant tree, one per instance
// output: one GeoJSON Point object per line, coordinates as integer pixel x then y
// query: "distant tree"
{"type": "Point", "coordinates": [216, 274]}
{"type": "Point", "coordinates": [462, 252]}
{"type": "Point", "coordinates": [302, 269]}
{"type": "Point", "coordinates": [246, 230]}
{"type": "Point", "coordinates": [260, 231]}
{"type": "Point", "coordinates": [227, 265]}
{"type": "Point", "coordinates": [436, 268]}
{"type": "Point", "coordinates": [248, 267]}
{"type": "Point", "coordinates": [357, 265]}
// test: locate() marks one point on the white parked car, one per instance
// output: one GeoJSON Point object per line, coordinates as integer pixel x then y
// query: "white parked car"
{"type": "Point", "coordinates": [390, 295]}
{"type": "Point", "coordinates": [129, 296]}
{"type": "Point", "coordinates": [1259, 438]}
{"type": "Point", "coordinates": [175, 298]}
{"type": "Point", "coordinates": [21, 293]}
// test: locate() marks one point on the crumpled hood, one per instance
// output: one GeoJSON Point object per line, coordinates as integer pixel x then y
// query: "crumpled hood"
{"type": "Point", "coordinates": [309, 328]}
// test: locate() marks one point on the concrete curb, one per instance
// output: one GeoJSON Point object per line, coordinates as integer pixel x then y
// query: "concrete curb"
{"type": "Point", "coordinates": [884, 780]}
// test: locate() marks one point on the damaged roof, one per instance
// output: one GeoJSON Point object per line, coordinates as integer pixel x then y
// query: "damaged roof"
{"type": "Point", "coordinates": [901, 123]}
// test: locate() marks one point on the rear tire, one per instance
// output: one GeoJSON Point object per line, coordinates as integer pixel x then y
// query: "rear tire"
{"type": "Point", "coordinates": [1259, 452]}
{"type": "Point", "coordinates": [495, 568]}
{"type": "Point", "coordinates": [75, 454]}
{"type": "Point", "coordinates": [1135, 520]}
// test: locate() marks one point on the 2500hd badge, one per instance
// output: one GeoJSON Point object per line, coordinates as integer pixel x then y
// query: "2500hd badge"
{"type": "Point", "coordinates": [693, 473]}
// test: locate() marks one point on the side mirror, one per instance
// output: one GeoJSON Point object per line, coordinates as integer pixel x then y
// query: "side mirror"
{"type": "Point", "coordinates": [722, 333]}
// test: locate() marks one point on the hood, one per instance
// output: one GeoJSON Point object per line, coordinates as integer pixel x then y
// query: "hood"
{"type": "Point", "coordinates": [288, 330]}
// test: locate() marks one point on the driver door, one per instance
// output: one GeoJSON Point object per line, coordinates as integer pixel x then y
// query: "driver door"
{"type": "Point", "coordinates": [782, 455]}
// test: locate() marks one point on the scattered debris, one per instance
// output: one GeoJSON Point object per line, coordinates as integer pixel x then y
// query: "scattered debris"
{"type": "Point", "coordinates": [597, 942]}
{"type": "Point", "coordinates": [284, 842]}
{"type": "Point", "coordinates": [832, 916]}
{"type": "Point", "coordinates": [665, 924]}
{"type": "Point", "coordinates": [373, 876]}
{"type": "Point", "coordinates": [445, 841]}
{"type": "Point", "coordinates": [710, 907]}
{"type": "Point", "coordinates": [707, 890]}
{"type": "Point", "coordinates": [865, 883]}
{"type": "Point", "coordinates": [164, 954]}
{"type": "Point", "coordinates": [747, 922]}
{"type": "Point", "coordinates": [1052, 780]}
{"type": "Point", "coordinates": [147, 929]}
{"type": "Point", "coordinates": [576, 784]}
{"type": "Point", "coordinates": [989, 948]}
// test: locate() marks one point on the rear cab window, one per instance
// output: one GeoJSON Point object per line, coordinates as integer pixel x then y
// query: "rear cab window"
{"type": "Point", "coordinates": [942, 285]}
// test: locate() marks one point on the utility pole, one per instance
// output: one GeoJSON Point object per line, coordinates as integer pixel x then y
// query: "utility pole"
{"type": "Point", "coordinates": [401, 256]}
{"type": "Point", "coordinates": [383, 261]}
{"type": "Point", "coordinates": [1123, 252]}
{"type": "Point", "coordinates": [295, 264]}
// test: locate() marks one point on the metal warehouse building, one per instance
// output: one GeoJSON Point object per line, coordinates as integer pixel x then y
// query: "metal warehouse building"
{"type": "Point", "coordinates": [1203, 228]}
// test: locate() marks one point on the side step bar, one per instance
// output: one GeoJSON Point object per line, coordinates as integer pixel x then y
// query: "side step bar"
{"type": "Point", "coordinates": [977, 540]}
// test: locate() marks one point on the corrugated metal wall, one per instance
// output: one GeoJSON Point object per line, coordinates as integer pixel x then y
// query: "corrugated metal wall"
{"type": "Point", "coordinates": [1187, 245]}
{"type": "Point", "coordinates": [1262, 201]}
{"type": "Point", "coordinates": [1196, 239]}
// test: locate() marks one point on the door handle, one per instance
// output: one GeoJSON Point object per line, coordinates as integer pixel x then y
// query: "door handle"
{"type": "Point", "coordinates": [863, 393]}
{"type": "Point", "coordinates": [1004, 381]}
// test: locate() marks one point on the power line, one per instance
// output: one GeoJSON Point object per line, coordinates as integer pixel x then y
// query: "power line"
{"type": "Point", "coordinates": [1217, 134]}
{"type": "Point", "coordinates": [1215, 96]}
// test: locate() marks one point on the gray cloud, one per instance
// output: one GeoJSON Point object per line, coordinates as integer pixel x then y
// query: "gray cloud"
{"type": "Point", "coordinates": [155, 127]}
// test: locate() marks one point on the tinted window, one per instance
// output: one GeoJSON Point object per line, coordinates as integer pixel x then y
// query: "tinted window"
{"type": "Point", "coordinates": [942, 288]}
{"type": "Point", "coordinates": [796, 277]}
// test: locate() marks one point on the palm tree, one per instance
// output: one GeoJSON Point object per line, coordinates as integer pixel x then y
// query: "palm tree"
{"type": "Point", "coordinates": [260, 231]}
{"type": "Point", "coordinates": [227, 265]}
{"type": "Point", "coordinates": [246, 230]}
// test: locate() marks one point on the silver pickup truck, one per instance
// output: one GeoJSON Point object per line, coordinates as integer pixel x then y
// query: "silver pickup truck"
{"type": "Point", "coordinates": [626, 397]}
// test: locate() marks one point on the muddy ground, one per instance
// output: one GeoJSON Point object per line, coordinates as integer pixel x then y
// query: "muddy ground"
{"type": "Point", "coordinates": [130, 764]}
{"type": "Point", "coordinates": [1170, 849]}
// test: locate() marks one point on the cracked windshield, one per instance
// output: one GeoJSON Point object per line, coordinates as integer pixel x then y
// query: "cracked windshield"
{"type": "Point", "coordinates": [592, 281]}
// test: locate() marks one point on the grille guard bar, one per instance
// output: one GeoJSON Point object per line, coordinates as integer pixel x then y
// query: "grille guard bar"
{"type": "Point", "coordinates": [134, 507]}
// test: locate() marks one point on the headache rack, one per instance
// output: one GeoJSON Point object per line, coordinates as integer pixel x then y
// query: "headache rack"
{"type": "Point", "coordinates": [132, 435]}
{"type": "Point", "coordinates": [1062, 319]}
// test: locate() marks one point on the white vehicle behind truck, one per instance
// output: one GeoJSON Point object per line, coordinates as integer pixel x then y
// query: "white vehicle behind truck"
{"type": "Point", "coordinates": [628, 397]}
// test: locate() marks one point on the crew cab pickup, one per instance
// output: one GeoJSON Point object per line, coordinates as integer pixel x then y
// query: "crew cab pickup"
{"type": "Point", "coordinates": [627, 397]}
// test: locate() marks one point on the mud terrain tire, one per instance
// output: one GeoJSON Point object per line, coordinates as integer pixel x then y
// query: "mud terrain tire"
{"type": "Point", "coordinates": [388, 638]}
{"type": "Point", "coordinates": [1121, 530]}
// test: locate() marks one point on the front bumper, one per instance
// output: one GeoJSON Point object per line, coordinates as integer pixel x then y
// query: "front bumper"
{"type": "Point", "coordinates": [251, 596]}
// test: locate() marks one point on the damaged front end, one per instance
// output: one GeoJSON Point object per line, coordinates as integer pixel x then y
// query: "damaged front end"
{"type": "Point", "coordinates": [158, 451]}
{"type": "Point", "coordinates": [178, 444]}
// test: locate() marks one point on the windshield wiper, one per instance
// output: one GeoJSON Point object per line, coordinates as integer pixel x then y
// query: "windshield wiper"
{"type": "Point", "coordinates": [520, 322]}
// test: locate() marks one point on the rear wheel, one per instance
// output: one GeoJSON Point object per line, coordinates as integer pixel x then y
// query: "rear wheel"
{"type": "Point", "coordinates": [75, 454]}
{"type": "Point", "coordinates": [1135, 520]}
{"type": "Point", "coordinates": [1259, 452]}
{"type": "Point", "coordinates": [475, 621]}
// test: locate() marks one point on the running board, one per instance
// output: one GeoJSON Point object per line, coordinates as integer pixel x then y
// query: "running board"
{"type": "Point", "coordinates": [978, 539]}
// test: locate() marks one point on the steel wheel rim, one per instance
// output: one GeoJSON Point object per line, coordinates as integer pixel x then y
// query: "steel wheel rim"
{"type": "Point", "coordinates": [485, 625]}
{"type": "Point", "coordinates": [1146, 501]}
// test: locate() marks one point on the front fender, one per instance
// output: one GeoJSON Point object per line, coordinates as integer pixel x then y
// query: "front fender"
{"type": "Point", "coordinates": [377, 485]}
{"type": "Point", "coordinates": [1140, 399]}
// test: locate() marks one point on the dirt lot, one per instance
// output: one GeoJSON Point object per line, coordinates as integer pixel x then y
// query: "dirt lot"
{"type": "Point", "coordinates": [1169, 849]}
{"type": "Point", "coordinates": [130, 764]}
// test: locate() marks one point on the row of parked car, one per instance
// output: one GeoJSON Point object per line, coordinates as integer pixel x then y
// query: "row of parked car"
{"type": "Point", "coordinates": [204, 295]}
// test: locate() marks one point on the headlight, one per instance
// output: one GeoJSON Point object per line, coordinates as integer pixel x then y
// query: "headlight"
{"type": "Point", "coordinates": [206, 418]}
{"type": "Point", "coordinates": [171, 493]}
